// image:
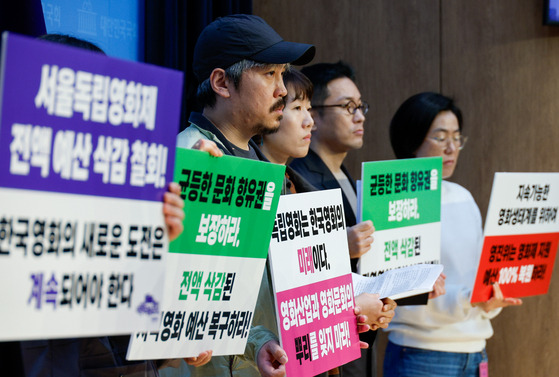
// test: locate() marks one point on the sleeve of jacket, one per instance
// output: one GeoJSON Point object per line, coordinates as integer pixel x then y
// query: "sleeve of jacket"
{"type": "Point", "coordinates": [264, 325]}
{"type": "Point", "coordinates": [258, 336]}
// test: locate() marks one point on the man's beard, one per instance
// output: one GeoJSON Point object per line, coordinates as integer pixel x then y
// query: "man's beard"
{"type": "Point", "coordinates": [262, 129]}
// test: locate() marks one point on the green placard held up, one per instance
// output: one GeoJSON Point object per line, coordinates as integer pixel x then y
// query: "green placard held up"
{"type": "Point", "coordinates": [401, 193]}
{"type": "Point", "coordinates": [214, 268]}
{"type": "Point", "coordinates": [230, 204]}
{"type": "Point", "coordinates": [403, 199]}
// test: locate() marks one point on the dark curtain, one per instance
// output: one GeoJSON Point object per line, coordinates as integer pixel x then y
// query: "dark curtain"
{"type": "Point", "coordinates": [23, 17]}
{"type": "Point", "coordinates": [171, 30]}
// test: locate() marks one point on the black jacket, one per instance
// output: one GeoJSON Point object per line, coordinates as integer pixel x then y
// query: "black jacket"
{"type": "Point", "coordinates": [314, 170]}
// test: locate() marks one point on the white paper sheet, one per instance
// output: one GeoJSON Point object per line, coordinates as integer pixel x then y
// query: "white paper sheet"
{"type": "Point", "coordinates": [400, 282]}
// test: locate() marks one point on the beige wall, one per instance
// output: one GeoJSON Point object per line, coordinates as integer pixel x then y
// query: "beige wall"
{"type": "Point", "coordinates": [501, 65]}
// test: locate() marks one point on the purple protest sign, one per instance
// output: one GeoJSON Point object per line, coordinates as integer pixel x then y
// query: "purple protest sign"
{"type": "Point", "coordinates": [79, 122]}
{"type": "Point", "coordinates": [87, 149]}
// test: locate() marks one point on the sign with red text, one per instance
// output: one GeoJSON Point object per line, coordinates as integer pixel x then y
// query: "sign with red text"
{"type": "Point", "coordinates": [87, 150]}
{"type": "Point", "coordinates": [312, 281]}
{"type": "Point", "coordinates": [521, 235]}
{"type": "Point", "coordinates": [215, 266]}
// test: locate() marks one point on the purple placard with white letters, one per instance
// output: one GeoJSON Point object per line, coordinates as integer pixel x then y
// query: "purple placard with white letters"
{"type": "Point", "coordinates": [87, 149]}
{"type": "Point", "coordinates": [78, 122]}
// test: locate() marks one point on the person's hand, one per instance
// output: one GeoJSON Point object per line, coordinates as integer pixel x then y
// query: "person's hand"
{"type": "Point", "coordinates": [497, 300]}
{"type": "Point", "coordinates": [173, 210]}
{"type": "Point", "coordinates": [388, 312]}
{"type": "Point", "coordinates": [208, 146]}
{"type": "Point", "coordinates": [360, 238]}
{"type": "Point", "coordinates": [271, 360]}
{"type": "Point", "coordinates": [201, 359]}
{"type": "Point", "coordinates": [379, 312]}
{"type": "Point", "coordinates": [438, 287]}
{"type": "Point", "coordinates": [362, 325]}
{"type": "Point", "coordinates": [362, 320]}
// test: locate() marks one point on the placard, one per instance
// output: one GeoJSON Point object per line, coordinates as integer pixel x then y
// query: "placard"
{"type": "Point", "coordinates": [86, 153]}
{"type": "Point", "coordinates": [216, 265]}
{"type": "Point", "coordinates": [312, 281]}
{"type": "Point", "coordinates": [403, 199]}
{"type": "Point", "coordinates": [521, 236]}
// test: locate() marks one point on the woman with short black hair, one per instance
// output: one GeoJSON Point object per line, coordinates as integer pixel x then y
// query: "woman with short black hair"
{"type": "Point", "coordinates": [447, 336]}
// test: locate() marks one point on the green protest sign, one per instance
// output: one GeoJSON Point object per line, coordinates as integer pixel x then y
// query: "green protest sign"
{"type": "Point", "coordinates": [403, 199]}
{"type": "Point", "coordinates": [230, 204]}
{"type": "Point", "coordinates": [401, 193]}
{"type": "Point", "coordinates": [214, 267]}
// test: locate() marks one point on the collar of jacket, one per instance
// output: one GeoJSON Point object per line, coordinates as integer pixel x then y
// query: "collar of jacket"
{"type": "Point", "coordinates": [205, 126]}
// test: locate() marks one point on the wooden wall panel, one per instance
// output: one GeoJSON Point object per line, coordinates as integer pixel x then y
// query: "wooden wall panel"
{"type": "Point", "coordinates": [393, 46]}
{"type": "Point", "coordinates": [501, 65]}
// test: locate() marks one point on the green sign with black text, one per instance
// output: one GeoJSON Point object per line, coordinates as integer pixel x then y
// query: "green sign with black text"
{"type": "Point", "coordinates": [403, 199]}
{"type": "Point", "coordinates": [230, 204]}
{"type": "Point", "coordinates": [401, 193]}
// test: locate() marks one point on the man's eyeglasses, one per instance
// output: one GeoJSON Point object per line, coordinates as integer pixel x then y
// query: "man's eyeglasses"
{"type": "Point", "coordinates": [351, 107]}
{"type": "Point", "coordinates": [459, 141]}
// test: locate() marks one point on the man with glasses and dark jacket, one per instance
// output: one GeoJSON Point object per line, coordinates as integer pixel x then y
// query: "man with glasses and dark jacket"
{"type": "Point", "coordinates": [339, 113]}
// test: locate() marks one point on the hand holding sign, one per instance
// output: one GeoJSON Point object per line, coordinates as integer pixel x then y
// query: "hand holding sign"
{"type": "Point", "coordinates": [202, 359]}
{"type": "Point", "coordinates": [173, 210]}
{"type": "Point", "coordinates": [498, 300]}
{"type": "Point", "coordinates": [360, 238]}
{"type": "Point", "coordinates": [208, 146]}
{"type": "Point", "coordinates": [173, 204]}
{"type": "Point", "coordinates": [271, 360]}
